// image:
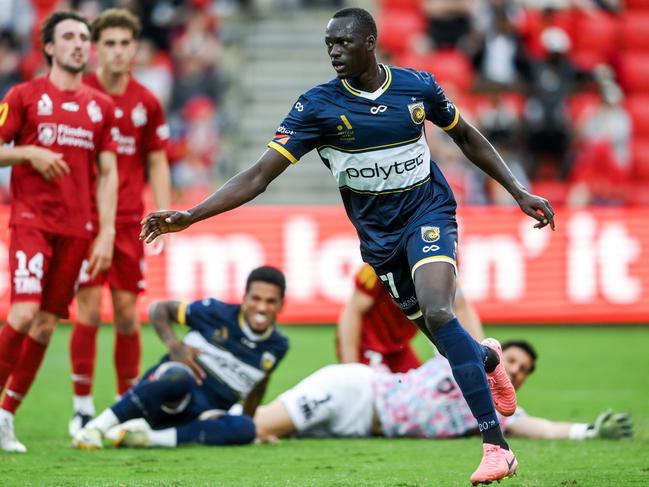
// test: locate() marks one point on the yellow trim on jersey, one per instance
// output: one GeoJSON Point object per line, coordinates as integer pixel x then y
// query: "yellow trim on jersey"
{"type": "Point", "coordinates": [384, 86]}
{"type": "Point", "coordinates": [391, 191]}
{"type": "Point", "coordinates": [435, 258]}
{"type": "Point", "coordinates": [181, 318]}
{"type": "Point", "coordinates": [414, 316]}
{"type": "Point", "coordinates": [349, 151]}
{"type": "Point", "coordinates": [454, 122]}
{"type": "Point", "coordinates": [283, 151]}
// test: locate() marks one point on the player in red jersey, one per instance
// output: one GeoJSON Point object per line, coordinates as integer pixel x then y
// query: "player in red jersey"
{"type": "Point", "coordinates": [60, 129]}
{"type": "Point", "coordinates": [142, 139]}
{"type": "Point", "coordinates": [374, 331]}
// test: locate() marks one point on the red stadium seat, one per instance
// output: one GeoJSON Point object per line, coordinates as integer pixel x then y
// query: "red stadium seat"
{"type": "Point", "coordinates": [635, 30]}
{"type": "Point", "coordinates": [636, 4]}
{"type": "Point", "coordinates": [579, 104]}
{"type": "Point", "coordinates": [595, 31]}
{"type": "Point", "coordinates": [640, 159]}
{"type": "Point", "coordinates": [634, 71]}
{"type": "Point", "coordinates": [638, 108]}
{"type": "Point", "coordinates": [450, 67]}
{"type": "Point", "coordinates": [403, 5]}
{"type": "Point", "coordinates": [397, 28]}
{"type": "Point", "coordinates": [587, 58]}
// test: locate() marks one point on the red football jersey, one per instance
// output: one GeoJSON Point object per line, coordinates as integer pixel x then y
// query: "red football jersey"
{"type": "Point", "coordinates": [142, 129]}
{"type": "Point", "coordinates": [385, 328]}
{"type": "Point", "coordinates": [76, 124]}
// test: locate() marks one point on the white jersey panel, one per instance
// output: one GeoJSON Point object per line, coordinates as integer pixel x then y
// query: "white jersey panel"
{"type": "Point", "coordinates": [221, 363]}
{"type": "Point", "coordinates": [381, 170]}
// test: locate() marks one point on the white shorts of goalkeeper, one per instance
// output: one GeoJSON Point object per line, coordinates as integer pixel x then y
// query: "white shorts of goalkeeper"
{"type": "Point", "coordinates": [336, 400]}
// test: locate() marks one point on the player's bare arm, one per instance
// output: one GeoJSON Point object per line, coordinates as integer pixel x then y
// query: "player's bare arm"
{"type": "Point", "coordinates": [608, 425]}
{"type": "Point", "coordinates": [48, 163]}
{"type": "Point", "coordinates": [253, 400]}
{"type": "Point", "coordinates": [481, 153]}
{"type": "Point", "coordinates": [240, 189]}
{"type": "Point", "coordinates": [160, 184]}
{"type": "Point", "coordinates": [350, 324]}
{"type": "Point", "coordinates": [101, 254]}
{"type": "Point", "coordinates": [162, 315]}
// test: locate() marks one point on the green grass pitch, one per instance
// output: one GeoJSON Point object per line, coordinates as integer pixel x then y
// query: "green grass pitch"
{"type": "Point", "coordinates": [581, 371]}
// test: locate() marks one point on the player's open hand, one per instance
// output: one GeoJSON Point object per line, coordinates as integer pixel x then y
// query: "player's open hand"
{"type": "Point", "coordinates": [187, 355]}
{"type": "Point", "coordinates": [160, 222]}
{"type": "Point", "coordinates": [538, 208]}
{"type": "Point", "coordinates": [101, 254]}
{"type": "Point", "coordinates": [612, 425]}
{"type": "Point", "coordinates": [49, 164]}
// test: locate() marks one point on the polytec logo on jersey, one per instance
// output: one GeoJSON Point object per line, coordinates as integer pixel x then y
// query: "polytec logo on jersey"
{"type": "Point", "coordinates": [44, 105]}
{"type": "Point", "coordinates": [384, 172]}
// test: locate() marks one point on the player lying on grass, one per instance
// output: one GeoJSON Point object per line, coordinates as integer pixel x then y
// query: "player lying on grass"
{"type": "Point", "coordinates": [354, 400]}
{"type": "Point", "coordinates": [227, 356]}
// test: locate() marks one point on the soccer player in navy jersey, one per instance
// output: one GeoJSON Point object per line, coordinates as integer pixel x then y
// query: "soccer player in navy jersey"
{"type": "Point", "coordinates": [226, 356]}
{"type": "Point", "coordinates": [367, 125]}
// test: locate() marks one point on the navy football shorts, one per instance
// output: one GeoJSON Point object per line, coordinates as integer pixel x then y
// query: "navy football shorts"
{"type": "Point", "coordinates": [435, 241]}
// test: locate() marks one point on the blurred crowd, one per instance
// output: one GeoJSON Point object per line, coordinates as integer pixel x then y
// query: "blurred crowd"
{"type": "Point", "coordinates": [560, 87]}
{"type": "Point", "coordinates": [549, 82]}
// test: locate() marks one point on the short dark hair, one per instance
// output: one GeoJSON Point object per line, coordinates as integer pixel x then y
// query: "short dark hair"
{"type": "Point", "coordinates": [362, 19]}
{"type": "Point", "coordinates": [50, 23]}
{"type": "Point", "coordinates": [268, 274]}
{"type": "Point", "coordinates": [116, 17]}
{"type": "Point", "coordinates": [523, 345]}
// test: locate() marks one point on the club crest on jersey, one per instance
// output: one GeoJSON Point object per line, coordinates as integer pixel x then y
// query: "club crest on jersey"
{"type": "Point", "coordinates": [94, 112]}
{"type": "Point", "coordinates": [430, 234]}
{"type": "Point", "coordinates": [417, 112]}
{"type": "Point", "coordinates": [220, 335]}
{"type": "Point", "coordinates": [44, 105]}
{"type": "Point", "coordinates": [267, 360]}
{"type": "Point", "coordinates": [46, 133]}
{"type": "Point", "coordinates": [138, 115]}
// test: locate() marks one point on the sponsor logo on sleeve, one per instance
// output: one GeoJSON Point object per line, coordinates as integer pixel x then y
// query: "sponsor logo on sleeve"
{"type": "Point", "coordinates": [4, 112]}
{"type": "Point", "coordinates": [417, 112]}
{"type": "Point", "coordinates": [163, 132]}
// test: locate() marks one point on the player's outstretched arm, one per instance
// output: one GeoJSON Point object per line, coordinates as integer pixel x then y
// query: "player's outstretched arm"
{"type": "Point", "coordinates": [608, 425]}
{"type": "Point", "coordinates": [160, 184]}
{"type": "Point", "coordinates": [240, 189]}
{"type": "Point", "coordinates": [481, 153]}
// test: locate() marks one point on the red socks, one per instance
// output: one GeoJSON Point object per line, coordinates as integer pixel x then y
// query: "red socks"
{"type": "Point", "coordinates": [83, 349]}
{"type": "Point", "coordinates": [127, 360]}
{"type": "Point", "coordinates": [10, 345]}
{"type": "Point", "coordinates": [31, 357]}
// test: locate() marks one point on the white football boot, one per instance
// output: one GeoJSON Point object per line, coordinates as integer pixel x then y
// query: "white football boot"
{"type": "Point", "coordinates": [88, 439]}
{"type": "Point", "coordinates": [8, 440]}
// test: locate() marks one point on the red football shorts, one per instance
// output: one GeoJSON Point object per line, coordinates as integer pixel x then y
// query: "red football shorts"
{"type": "Point", "coordinates": [44, 267]}
{"type": "Point", "coordinates": [126, 272]}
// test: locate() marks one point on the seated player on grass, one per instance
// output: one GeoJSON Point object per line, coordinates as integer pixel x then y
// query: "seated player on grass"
{"type": "Point", "coordinates": [227, 356]}
{"type": "Point", "coordinates": [354, 400]}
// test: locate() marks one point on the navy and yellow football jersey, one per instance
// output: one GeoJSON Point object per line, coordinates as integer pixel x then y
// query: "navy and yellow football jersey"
{"type": "Point", "coordinates": [375, 147]}
{"type": "Point", "coordinates": [234, 357]}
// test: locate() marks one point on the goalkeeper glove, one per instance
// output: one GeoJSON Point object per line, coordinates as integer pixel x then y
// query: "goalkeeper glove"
{"type": "Point", "coordinates": [611, 425]}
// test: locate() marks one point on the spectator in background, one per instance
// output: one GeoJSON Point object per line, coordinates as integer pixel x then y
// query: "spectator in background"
{"type": "Point", "coordinates": [549, 127]}
{"type": "Point", "coordinates": [603, 161]}
{"type": "Point", "coordinates": [9, 62]}
{"type": "Point", "coordinates": [499, 55]}
{"type": "Point", "coordinates": [196, 149]}
{"type": "Point", "coordinates": [153, 68]}
{"type": "Point", "coordinates": [449, 21]}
